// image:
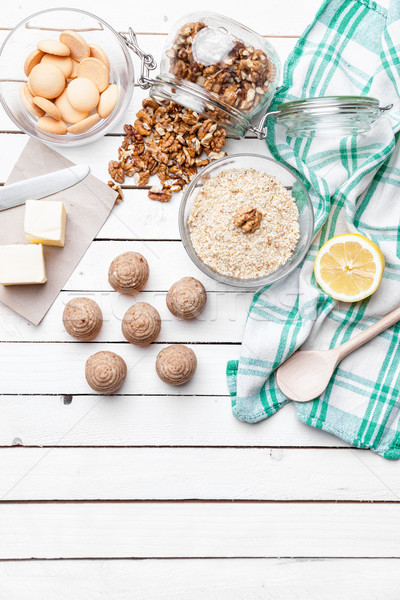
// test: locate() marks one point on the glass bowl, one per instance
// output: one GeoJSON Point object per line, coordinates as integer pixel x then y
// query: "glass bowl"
{"type": "Point", "coordinates": [287, 178]}
{"type": "Point", "coordinates": [48, 24]}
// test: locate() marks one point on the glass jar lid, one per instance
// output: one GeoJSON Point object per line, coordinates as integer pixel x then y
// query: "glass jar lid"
{"type": "Point", "coordinates": [325, 116]}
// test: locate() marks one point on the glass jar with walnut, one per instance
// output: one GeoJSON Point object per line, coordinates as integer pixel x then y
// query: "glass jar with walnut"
{"type": "Point", "coordinates": [218, 68]}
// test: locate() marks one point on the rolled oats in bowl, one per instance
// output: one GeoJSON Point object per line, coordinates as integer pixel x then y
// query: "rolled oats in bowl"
{"type": "Point", "coordinates": [244, 223]}
{"type": "Point", "coordinates": [246, 220]}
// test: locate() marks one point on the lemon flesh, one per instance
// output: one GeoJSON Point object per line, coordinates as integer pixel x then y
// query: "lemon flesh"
{"type": "Point", "coordinates": [349, 267]}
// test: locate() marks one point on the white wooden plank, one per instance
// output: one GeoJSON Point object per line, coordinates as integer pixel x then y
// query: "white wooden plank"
{"type": "Point", "coordinates": [224, 579]}
{"type": "Point", "coordinates": [226, 529]}
{"type": "Point", "coordinates": [146, 421]}
{"type": "Point", "coordinates": [55, 368]}
{"type": "Point", "coordinates": [282, 17]}
{"type": "Point", "coordinates": [194, 473]}
{"type": "Point", "coordinates": [168, 262]}
{"type": "Point", "coordinates": [155, 529]}
{"type": "Point", "coordinates": [137, 216]}
{"type": "Point", "coordinates": [222, 320]}
{"type": "Point", "coordinates": [99, 153]}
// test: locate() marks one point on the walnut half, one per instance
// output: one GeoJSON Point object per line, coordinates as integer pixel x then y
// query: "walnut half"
{"type": "Point", "coordinates": [117, 188]}
{"type": "Point", "coordinates": [248, 219]}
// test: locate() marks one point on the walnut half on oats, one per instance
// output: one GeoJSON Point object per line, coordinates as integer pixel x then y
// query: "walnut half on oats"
{"type": "Point", "coordinates": [220, 243]}
{"type": "Point", "coordinates": [248, 219]}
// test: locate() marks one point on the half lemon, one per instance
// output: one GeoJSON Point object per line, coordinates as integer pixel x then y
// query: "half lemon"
{"type": "Point", "coordinates": [349, 267]}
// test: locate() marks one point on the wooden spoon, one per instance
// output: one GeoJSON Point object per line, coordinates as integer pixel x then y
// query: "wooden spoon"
{"type": "Point", "coordinates": [305, 375]}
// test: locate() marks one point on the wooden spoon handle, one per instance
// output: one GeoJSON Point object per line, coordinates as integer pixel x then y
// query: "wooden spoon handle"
{"type": "Point", "coordinates": [369, 333]}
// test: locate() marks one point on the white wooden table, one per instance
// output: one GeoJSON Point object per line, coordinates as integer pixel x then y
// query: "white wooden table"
{"type": "Point", "coordinates": [159, 493]}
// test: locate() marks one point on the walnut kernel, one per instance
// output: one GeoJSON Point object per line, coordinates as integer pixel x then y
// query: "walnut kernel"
{"type": "Point", "coordinates": [117, 188]}
{"type": "Point", "coordinates": [248, 219]}
{"type": "Point", "coordinates": [169, 140]}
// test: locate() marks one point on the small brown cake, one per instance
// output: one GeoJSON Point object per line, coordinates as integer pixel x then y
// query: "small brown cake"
{"type": "Point", "coordinates": [176, 364]}
{"type": "Point", "coordinates": [82, 318]}
{"type": "Point", "coordinates": [128, 273]}
{"type": "Point", "coordinates": [141, 324]}
{"type": "Point", "coordinates": [186, 298]}
{"type": "Point", "coordinates": [105, 372]}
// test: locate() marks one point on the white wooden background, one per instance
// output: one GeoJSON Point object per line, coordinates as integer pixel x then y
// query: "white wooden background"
{"type": "Point", "coordinates": [159, 493]}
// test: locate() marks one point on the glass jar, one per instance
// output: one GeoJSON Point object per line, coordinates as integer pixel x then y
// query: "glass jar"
{"type": "Point", "coordinates": [226, 72]}
{"type": "Point", "coordinates": [219, 68]}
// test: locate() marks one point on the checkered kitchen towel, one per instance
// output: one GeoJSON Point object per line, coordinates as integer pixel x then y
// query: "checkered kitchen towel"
{"type": "Point", "coordinates": [351, 48]}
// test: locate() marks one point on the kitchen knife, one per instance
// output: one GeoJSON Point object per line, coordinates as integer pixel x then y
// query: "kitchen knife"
{"type": "Point", "coordinates": [42, 186]}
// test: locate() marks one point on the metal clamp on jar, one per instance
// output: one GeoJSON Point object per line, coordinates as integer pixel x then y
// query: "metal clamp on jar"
{"type": "Point", "coordinates": [228, 73]}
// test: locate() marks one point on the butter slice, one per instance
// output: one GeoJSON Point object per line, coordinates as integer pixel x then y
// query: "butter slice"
{"type": "Point", "coordinates": [22, 264]}
{"type": "Point", "coordinates": [45, 222]}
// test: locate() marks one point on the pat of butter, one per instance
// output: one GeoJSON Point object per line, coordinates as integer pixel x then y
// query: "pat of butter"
{"type": "Point", "coordinates": [45, 222]}
{"type": "Point", "coordinates": [22, 264]}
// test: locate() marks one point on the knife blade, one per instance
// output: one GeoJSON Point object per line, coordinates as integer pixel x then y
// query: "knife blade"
{"type": "Point", "coordinates": [41, 186]}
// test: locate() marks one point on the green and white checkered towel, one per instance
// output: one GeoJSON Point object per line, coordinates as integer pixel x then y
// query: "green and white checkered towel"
{"type": "Point", "coordinates": [351, 48]}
